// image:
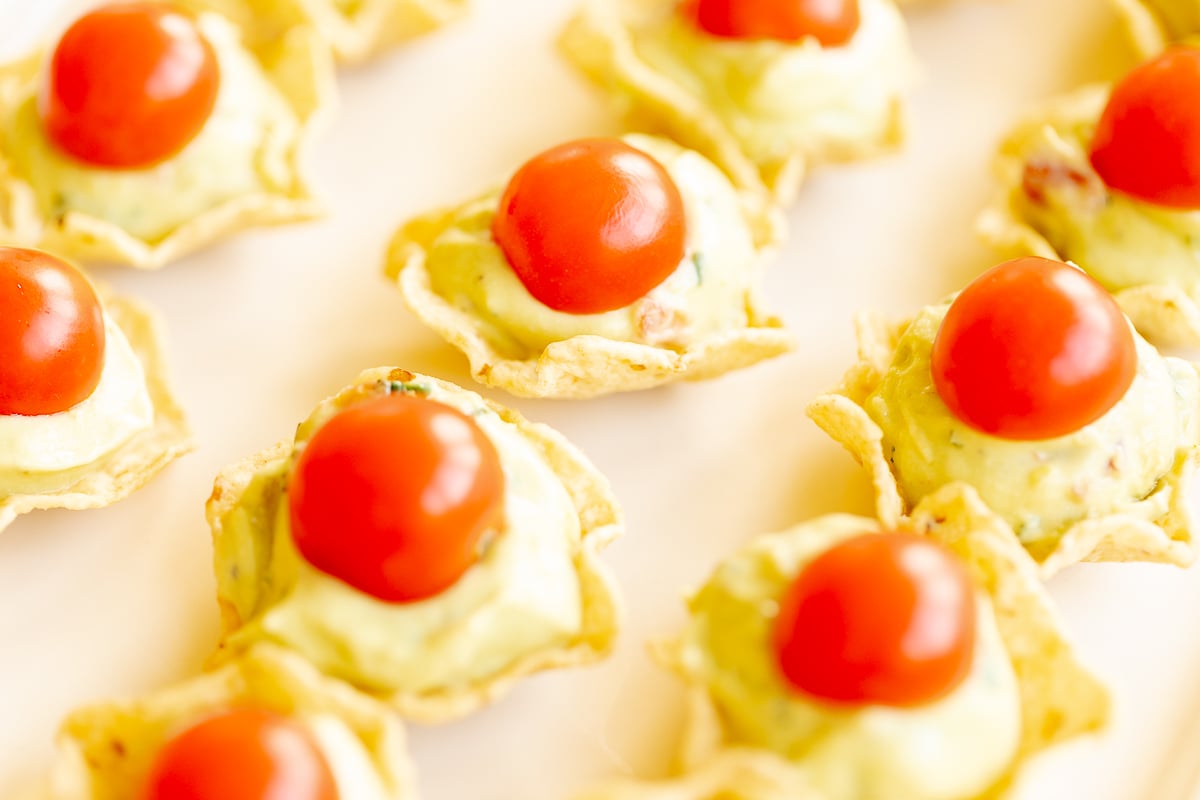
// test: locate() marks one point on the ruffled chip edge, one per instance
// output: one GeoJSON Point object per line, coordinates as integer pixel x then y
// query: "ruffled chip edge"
{"type": "Point", "coordinates": [138, 460]}
{"type": "Point", "coordinates": [601, 522]}
{"type": "Point", "coordinates": [94, 741]}
{"type": "Point", "coordinates": [597, 42]}
{"type": "Point", "coordinates": [1141, 532]}
{"type": "Point", "coordinates": [1165, 314]}
{"type": "Point", "coordinates": [1060, 697]}
{"type": "Point", "coordinates": [301, 67]}
{"type": "Point", "coordinates": [581, 366]}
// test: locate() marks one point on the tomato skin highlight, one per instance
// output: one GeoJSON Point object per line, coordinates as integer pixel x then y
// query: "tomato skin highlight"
{"type": "Point", "coordinates": [881, 618]}
{"type": "Point", "coordinates": [52, 339]}
{"type": "Point", "coordinates": [244, 754]}
{"type": "Point", "coordinates": [1147, 141]}
{"type": "Point", "coordinates": [831, 22]}
{"type": "Point", "coordinates": [393, 496]}
{"type": "Point", "coordinates": [1033, 349]}
{"type": "Point", "coordinates": [129, 85]}
{"type": "Point", "coordinates": [591, 225]}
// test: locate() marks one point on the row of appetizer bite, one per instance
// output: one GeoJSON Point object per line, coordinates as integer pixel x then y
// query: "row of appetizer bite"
{"type": "Point", "coordinates": [780, 708]}
{"type": "Point", "coordinates": [101, 163]}
{"type": "Point", "coordinates": [415, 549]}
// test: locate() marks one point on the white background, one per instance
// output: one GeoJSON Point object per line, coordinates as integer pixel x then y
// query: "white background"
{"type": "Point", "coordinates": [116, 602]}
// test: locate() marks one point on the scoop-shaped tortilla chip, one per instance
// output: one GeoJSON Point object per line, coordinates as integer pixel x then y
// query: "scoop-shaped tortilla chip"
{"type": "Point", "coordinates": [1060, 698]}
{"type": "Point", "coordinates": [105, 752]}
{"type": "Point", "coordinates": [131, 465]}
{"type": "Point", "coordinates": [847, 104]}
{"type": "Point", "coordinates": [1158, 527]}
{"type": "Point", "coordinates": [1166, 313]}
{"type": "Point", "coordinates": [580, 366]}
{"type": "Point", "coordinates": [245, 571]}
{"type": "Point", "coordinates": [295, 62]}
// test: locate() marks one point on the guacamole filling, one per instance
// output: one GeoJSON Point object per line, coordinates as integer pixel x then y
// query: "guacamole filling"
{"type": "Point", "coordinates": [1042, 487]}
{"type": "Point", "coordinates": [522, 596]}
{"type": "Point", "coordinates": [707, 293]}
{"type": "Point", "coordinates": [952, 748]}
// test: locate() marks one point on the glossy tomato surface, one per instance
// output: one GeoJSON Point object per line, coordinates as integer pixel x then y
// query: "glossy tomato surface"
{"type": "Point", "coordinates": [1033, 349]}
{"type": "Point", "coordinates": [394, 495]}
{"type": "Point", "coordinates": [51, 334]}
{"type": "Point", "coordinates": [244, 754]}
{"type": "Point", "coordinates": [878, 619]}
{"type": "Point", "coordinates": [1147, 141]}
{"type": "Point", "coordinates": [129, 85]}
{"type": "Point", "coordinates": [591, 225]}
{"type": "Point", "coordinates": [830, 22]}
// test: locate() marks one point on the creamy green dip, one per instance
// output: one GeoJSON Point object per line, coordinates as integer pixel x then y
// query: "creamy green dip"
{"type": "Point", "coordinates": [778, 97]}
{"type": "Point", "coordinates": [949, 749]}
{"type": "Point", "coordinates": [1039, 487]}
{"type": "Point", "coordinates": [707, 292]}
{"type": "Point", "coordinates": [49, 452]}
{"type": "Point", "coordinates": [1120, 241]}
{"type": "Point", "coordinates": [521, 597]}
{"type": "Point", "coordinates": [241, 150]}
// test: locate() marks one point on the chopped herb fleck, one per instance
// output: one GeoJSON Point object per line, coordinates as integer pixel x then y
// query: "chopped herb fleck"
{"type": "Point", "coordinates": [407, 387]}
{"type": "Point", "coordinates": [698, 263]}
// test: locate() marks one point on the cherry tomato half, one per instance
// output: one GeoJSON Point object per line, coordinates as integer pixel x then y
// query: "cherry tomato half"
{"type": "Point", "coordinates": [830, 22]}
{"type": "Point", "coordinates": [245, 754]}
{"type": "Point", "coordinates": [1033, 349]}
{"type": "Point", "coordinates": [878, 619]}
{"type": "Point", "coordinates": [591, 225]}
{"type": "Point", "coordinates": [51, 334]}
{"type": "Point", "coordinates": [1147, 142]}
{"type": "Point", "coordinates": [393, 495]}
{"type": "Point", "coordinates": [130, 84]}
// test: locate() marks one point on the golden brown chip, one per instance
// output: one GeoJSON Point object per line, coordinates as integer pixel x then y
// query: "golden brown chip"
{"type": "Point", "coordinates": [1059, 697]}
{"type": "Point", "coordinates": [295, 62]}
{"type": "Point", "coordinates": [604, 41]}
{"type": "Point", "coordinates": [1164, 313]}
{"type": "Point", "coordinates": [242, 595]}
{"type": "Point", "coordinates": [105, 752]}
{"type": "Point", "coordinates": [1154, 528]}
{"type": "Point", "coordinates": [581, 366]}
{"type": "Point", "coordinates": [134, 463]}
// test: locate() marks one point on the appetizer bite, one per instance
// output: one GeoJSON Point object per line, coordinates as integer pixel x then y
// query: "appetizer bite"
{"type": "Point", "coordinates": [147, 132]}
{"type": "Point", "coordinates": [419, 542]}
{"type": "Point", "coordinates": [265, 727]}
{"type": "Point", "coordinates": [354, 29]}
{"type": "Point", "coordinates": [86, 416]}
{"type": "Point", "coordinates": [1153, 24]}
{"type": "Point", "coordinates": [604, 265]}
{"type": "Point", "coordinates": [1031, 386]}
{"type": "Point", "coordinates": [844, 659]}
{"type": "Point", "coordinates": [762, 87]}
{"type": "Point", "coordinates": [1109, 178]}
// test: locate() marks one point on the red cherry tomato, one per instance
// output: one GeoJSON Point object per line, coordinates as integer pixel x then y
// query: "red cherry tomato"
{"type": "Point", "coordinates": [1033, 349]}
{"type": "Point", "coordinates": [878, 619]}
{"type": "Point", "coordinates": [1147, 142]}
{"type": "Point", "coordinates": [591, 225]}
{"type": "Point", "coordinates": [130, 84]}
{"type": "Point", "coordinates": [51, 334]}
{"type": "Point", "coordinates": [830, 22]}
{"type": "Point", "coordinates": [393, 495]}
{"type": "Point", "coordinates": [246, 754]}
